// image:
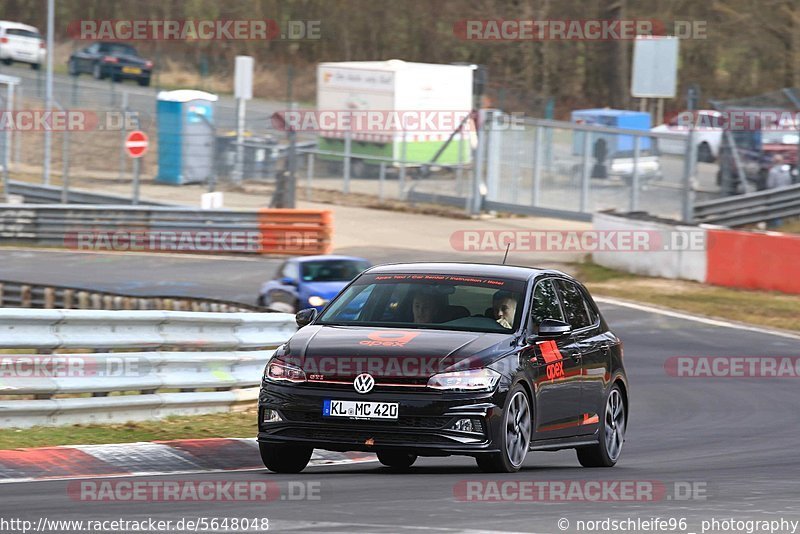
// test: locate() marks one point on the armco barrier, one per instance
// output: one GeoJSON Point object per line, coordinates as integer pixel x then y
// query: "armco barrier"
{"type": "Point", "coordinates": [15, 294]}
{"type": "Point", "coordinates": [732, 258]}
{"type": "Point", "coordinates": [167, 229]}
{"type": "Point", "coordinates": [223, 354]}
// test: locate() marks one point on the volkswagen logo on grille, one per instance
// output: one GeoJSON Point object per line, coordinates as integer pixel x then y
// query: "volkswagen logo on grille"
{"type": "Point", "coordinates": [364, 383]}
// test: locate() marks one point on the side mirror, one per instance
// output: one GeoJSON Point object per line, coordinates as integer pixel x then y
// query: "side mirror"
{"type": "Point", "coordinates": [553, 328]}
{"type": "Point", "coordinates": [305, 317]}
{"type": "Point", "coordinates": [288, 281]}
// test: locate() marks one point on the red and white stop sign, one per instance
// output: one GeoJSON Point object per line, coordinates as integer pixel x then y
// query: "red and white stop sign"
{"type": "Point", "coordinates": [136, 144]}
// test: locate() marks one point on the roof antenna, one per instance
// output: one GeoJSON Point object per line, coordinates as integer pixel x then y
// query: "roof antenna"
{"type": "Point", "coordinates": [506, 254]}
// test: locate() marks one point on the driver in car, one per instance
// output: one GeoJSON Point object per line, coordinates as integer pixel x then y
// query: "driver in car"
{"type": "Point", "coordinates": [504, 307]}
{"type": "Point", "coordinates": [427, 308]}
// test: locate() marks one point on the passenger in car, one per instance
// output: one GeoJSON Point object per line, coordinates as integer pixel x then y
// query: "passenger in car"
{"type": "Point", "coordinates": [504, 307]}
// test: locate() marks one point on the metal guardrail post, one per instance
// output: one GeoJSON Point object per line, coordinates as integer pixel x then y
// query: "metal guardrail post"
{"type": "Point", "coordinates": [585, 174]}
{"type": "Point", "coordinates": [537, 165]}
{"type": "Point", "coordinates": [635, 176]}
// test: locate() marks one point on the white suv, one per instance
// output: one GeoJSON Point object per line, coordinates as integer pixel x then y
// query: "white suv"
{"type": "Point", "coordinates": [20, 42]}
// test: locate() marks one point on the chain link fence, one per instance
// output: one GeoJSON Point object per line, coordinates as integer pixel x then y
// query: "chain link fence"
{"type": "Point", "coordinates": [525, 166]}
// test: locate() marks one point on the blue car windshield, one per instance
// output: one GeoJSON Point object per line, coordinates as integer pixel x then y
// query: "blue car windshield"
{"type": "Point", "coordinates": [439, 301]}
{"type": "Point", "coordinates": [331, 270]}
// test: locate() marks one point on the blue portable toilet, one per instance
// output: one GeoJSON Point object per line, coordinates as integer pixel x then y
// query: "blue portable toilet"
{"type": "Point", "coordinates": [613, 118]}
{"type": "Point", "coordinates": [185, 136]}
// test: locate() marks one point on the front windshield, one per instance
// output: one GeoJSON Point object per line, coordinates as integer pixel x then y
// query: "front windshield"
{"type": "Point", "coordinates": [332, 270]}
{"type": "Point", "coordinates": [441, 301]}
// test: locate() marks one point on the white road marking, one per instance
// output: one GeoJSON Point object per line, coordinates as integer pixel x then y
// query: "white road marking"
{"type": "Point", "coordinates": [696, 318]}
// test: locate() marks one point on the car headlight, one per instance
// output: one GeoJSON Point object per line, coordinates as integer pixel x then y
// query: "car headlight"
{"type": "Point", "coordinates": [278, 371]}
{"type": "Point", "coordinates": [315, 301]}
{"type": "Point", "coordinates": [472, 380]}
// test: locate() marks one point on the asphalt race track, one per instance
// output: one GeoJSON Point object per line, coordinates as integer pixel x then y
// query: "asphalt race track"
{"type": "Point", "coordinates": [733, 440]}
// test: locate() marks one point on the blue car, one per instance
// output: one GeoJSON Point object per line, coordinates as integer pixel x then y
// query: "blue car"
{"type": "Point", "coordinates": [309, 282]}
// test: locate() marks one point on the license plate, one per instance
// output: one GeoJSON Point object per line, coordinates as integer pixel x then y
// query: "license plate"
{"type": "Point", "coordinates": [360, 409]}
{"type": "Point", "coordinates": [131, 70]}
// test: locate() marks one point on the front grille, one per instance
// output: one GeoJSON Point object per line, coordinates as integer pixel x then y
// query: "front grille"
{"type": "Point", "coordinates": [411, 422]}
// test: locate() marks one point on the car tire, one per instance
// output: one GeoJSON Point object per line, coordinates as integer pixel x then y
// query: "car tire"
{"type": "Point", "coordinates": [514, 437]}
{"type": "Point", "coordinates": [35, 66]}
{"type": "Point", "coordinates": [7, 61]}
{"type": "Point", "coordinates": [72, 68]}
{"type": "Point", "coordinates": [613, 423]}
{"type": "Point", "coordinates": [704, 153]}
{"type": "Point", "coordinates": [144, 82]}
{"type": "Point", "coordinates": [285, 458]}
{"type": "Point", "coordinates": [97, 72]}
{"type": "Point", "coordinates": [396, 460]}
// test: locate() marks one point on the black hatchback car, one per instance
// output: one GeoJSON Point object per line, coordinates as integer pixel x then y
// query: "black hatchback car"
{"type": "Point", "coordinates": [116, 60]}
{"type": "Point", "coordinates": [438, 359]}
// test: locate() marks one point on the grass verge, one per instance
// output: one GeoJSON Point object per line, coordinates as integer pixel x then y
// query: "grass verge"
{"type": "Point", "coordinates": [219, 425]}
{"type": "Point", "coordinates": [765, 308]}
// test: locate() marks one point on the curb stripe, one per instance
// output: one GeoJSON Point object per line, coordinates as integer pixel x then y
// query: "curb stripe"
{"type": "Point", "coordinates": [189, 456]}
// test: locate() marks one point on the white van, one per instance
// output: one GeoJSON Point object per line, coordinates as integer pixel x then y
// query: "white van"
{"type": "Point", "coordinates": [20, 42]}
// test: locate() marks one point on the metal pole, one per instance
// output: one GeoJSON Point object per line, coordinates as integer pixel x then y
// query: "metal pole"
{"type": "Point", "coordinates": [18, 134]}
{"type": "Point", "coordinates": [291, 187]}
{"type": "Point", "coordinates": [537, 165]}
{"type": "Point", "coordinates": [635, 176]}
{"type": "Point", "coordinates": [346, 184]}
{"type": "Point", "coordinates": [238, 168]}
{"type": "Point", "coordinates": [309, 175]}
{"type": "Point", "coordinates": [474, 206]}
{"type": "Point", "coordinates": [687, 201]}
{"type": "Point", "coordinates": [6, 147]}
{"type": "Point", "coordinates": [48, 134]}
{"type": "Point", "coordinates": [65, 169]}
{"type": "Point", "coordinates": [459, 170]}
{"type": "Point", "coordinates": [381, 180]}
{"type": "Point", "coordinates": [123, 134]}
{"type": "Point", "coordinates": [136, 167]}
{"type": "Point", "coordinates": [402, 179]}
{"type": "Point", "coordinates": [585, 174]}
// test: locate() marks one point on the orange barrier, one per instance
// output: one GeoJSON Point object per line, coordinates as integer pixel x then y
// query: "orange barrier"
{"type": "Point", "coordinates": [753, 260]}
{"type": "Point", "coordinates": [296, 232]}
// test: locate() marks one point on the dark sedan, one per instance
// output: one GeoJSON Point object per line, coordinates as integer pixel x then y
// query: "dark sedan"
{"type": "Point", "coordinates": [436, 359]}
{"type": "Point", "coordinates": [116, 60]}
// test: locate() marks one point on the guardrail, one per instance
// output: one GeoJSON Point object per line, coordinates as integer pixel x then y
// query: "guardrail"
{"type": "Point", "coordinates": [750, 208]}
{"type": "Point", "coordinates": [15, 294]}
{"type": "Point", "coordinates": [167, 229]}
{"type": "Point", "coordinates": [183, 363]}
{"type": "Point", "coordinates": [48, 194]}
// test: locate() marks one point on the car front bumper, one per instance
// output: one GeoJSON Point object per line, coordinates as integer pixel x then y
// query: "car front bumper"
{"type": "Point", "coordinates": [422, 426]}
